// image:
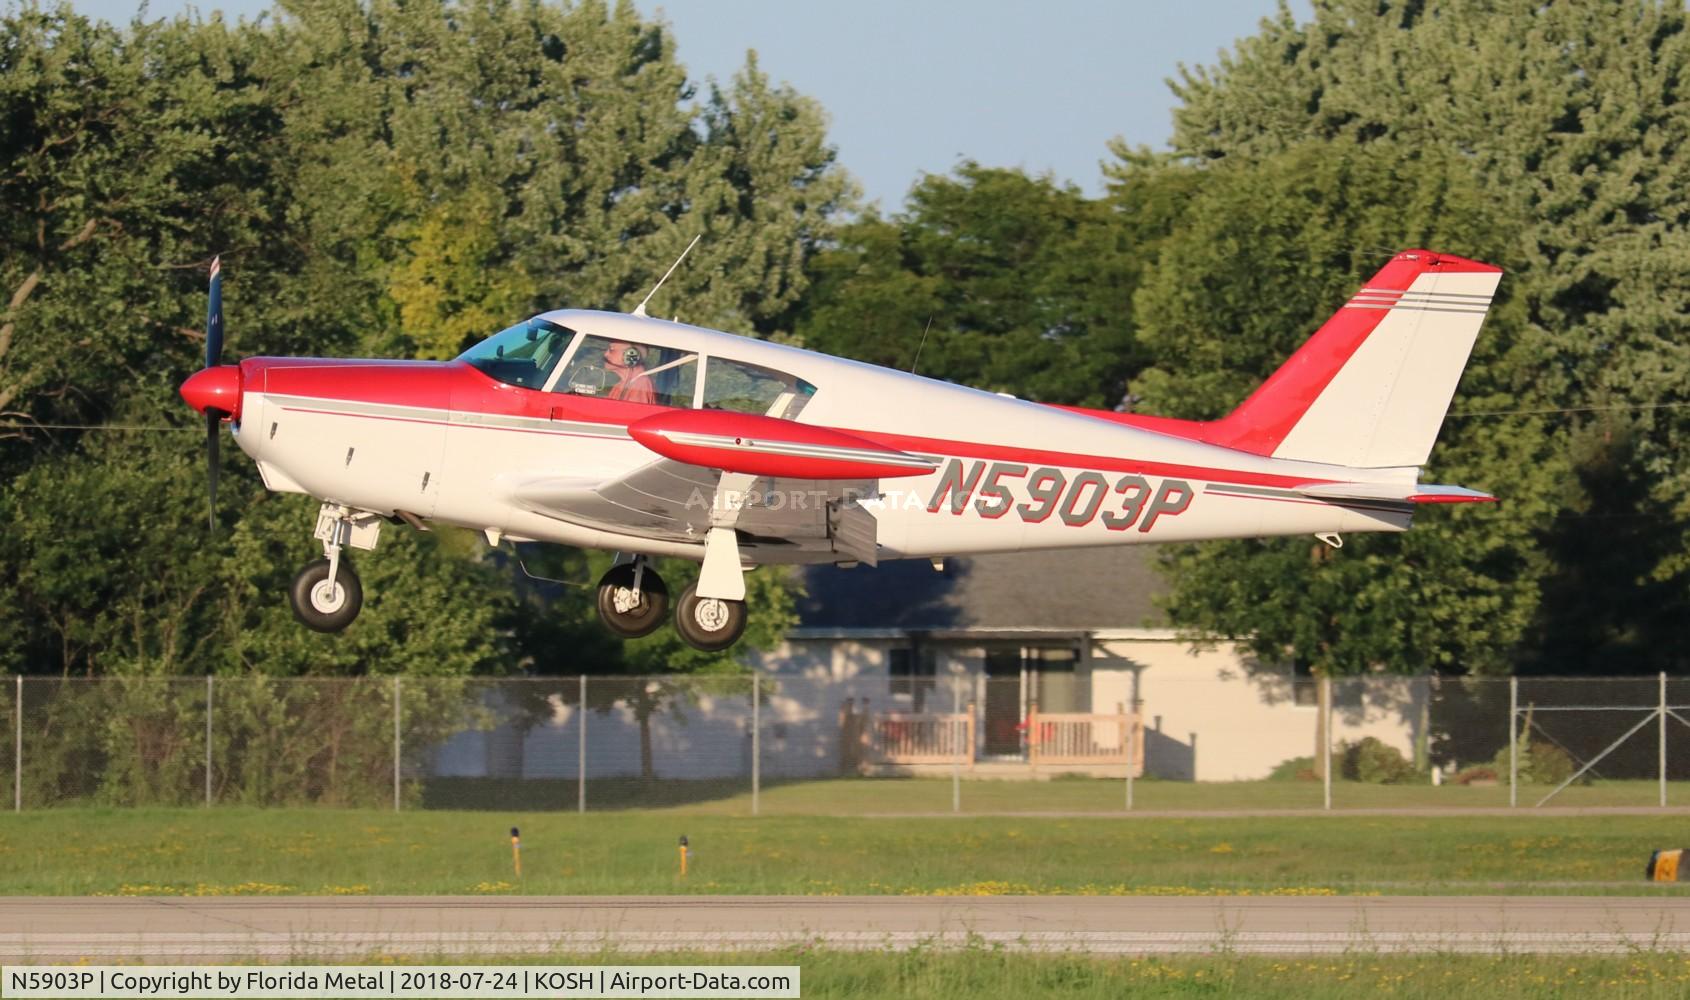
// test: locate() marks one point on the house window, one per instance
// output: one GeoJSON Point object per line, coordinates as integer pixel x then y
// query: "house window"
{"type": "Point", "coordinates": [914, 673]}
{"type": "Point", "coordinates": [1305, 688]}
{"type": "Point", "coordinates": [1058, 684]}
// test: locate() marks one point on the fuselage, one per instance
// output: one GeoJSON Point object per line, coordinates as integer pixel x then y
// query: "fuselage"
{"type": "Point", "coordinates": [451, 442]}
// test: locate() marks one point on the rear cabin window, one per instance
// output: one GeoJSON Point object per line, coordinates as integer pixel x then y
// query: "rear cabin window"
{"type": "Point", "coordinates": [746, 388]}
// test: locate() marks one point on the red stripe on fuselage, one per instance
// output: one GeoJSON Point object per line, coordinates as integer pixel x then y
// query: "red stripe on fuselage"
{"type": "Point", "coordinates": [1036, 457]}
{"type": "Point", "coordinates": [456, 386]}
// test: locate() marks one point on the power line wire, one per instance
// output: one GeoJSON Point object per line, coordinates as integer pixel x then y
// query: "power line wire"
{"type": "Point", "coordinates": [1573, 409]}
{"type": "Point", "coordinates": [92, 427]}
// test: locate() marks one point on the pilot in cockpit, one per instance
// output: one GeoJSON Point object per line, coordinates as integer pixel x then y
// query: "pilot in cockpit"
{"type": "Point", "coordinates": [627, 363]}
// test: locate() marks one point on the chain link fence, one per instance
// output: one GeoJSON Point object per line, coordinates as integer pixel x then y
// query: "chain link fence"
{"type": "Point", "coordinates": [905, 744]}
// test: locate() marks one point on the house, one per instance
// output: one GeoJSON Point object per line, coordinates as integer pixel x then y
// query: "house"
{"type": "Point", "coordinates": [1074, 631]}
{"type": "Point", "coordinates": [1021, 665]}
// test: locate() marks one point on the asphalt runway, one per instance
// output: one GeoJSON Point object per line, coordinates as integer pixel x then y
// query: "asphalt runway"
{"type": "Point", "coordinates": [45, 929]}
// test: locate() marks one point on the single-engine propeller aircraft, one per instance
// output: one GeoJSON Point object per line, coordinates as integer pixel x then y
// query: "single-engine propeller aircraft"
{"type": "Point", "coordinates": [655, 438]}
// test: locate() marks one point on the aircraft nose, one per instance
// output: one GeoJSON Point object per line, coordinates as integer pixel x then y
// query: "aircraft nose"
{"type": "Point", "coordinates": [216, 388]}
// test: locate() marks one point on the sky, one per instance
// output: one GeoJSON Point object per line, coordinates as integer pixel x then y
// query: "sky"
{"type": "Point", "coordinates": [918, 86]}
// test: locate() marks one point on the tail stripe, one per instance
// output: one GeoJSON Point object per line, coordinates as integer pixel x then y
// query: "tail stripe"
{"type": "Point", "coordinates": [1369, 298]}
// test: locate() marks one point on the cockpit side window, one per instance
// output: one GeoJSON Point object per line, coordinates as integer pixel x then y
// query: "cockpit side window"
{"type": "Point", "coordinates": [631, 372]}
{"type": "Point", "coordinates": [747, 388]}
{"type": "Point", "coordinates": [523, 354]}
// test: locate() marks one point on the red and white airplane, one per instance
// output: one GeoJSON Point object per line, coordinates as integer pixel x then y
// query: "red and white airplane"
{"type": "Point", "coordinates": [654, 438]}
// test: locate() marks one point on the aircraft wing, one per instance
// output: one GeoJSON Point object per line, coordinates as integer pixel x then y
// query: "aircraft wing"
{"type": "Point", "coordinates": [677, 501]}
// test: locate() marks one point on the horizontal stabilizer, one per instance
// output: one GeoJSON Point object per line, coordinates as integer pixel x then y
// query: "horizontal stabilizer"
{"type": "Point", "coordinates": [1401, 492]}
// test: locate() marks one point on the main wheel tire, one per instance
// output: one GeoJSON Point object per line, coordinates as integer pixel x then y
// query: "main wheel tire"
{"type": "Point", "coordinates": [617, 608]}
{"type": "Point", "coordinates": [320, 607]}
{"type": "Point", "coordinates": [709, 623]}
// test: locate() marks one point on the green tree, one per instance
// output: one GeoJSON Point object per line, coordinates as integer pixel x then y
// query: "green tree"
{"type": "Point", "coordinates": [108, 580]}
{"type": "Point", "coordinates": [379, 178]}
{"type": "Point", "coordinates": [1569, 117]}
{"type": "Point", "coordinates": [1026, 284]}
{"type": "Point", "coordinates": [130, 157]}
{"type": "Point", "coordinates": [482, 160]}
{"type": "Point", "coordinates": [1264, 254]}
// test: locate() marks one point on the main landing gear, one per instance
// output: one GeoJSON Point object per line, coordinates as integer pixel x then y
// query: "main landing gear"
{"type": "Point", "coordinates": [326, 595]}
{"type": "Point", "coordinates": [709, 623]}
{"type": "Point", "coordinates": [633, 601]}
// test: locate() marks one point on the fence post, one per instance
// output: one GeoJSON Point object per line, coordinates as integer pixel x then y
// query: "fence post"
{"type": "Point", "coordinates": [971, 737]}
{"type": "Point", "coordinates": [208, 741]}
{"type": "Point", "coordinates": [1513, 742]}
{"type": "Point", "coordinates": [845, 717]}
{"type": "Point", "coordinates": [756, 743]}
{"type": "Point", "coordinates": [17, 753]}
{"type": "Point", "coordinates": [865, 734]}
{"type": "Point", "coordinates": [581, 753]}
{"type": "Point", "coordinates": [396, 747]}
{"type": "Point", "coordinates": [1127, 743]}
{"type": "Point", "coordinates": [1033, 736]}
{"type": "Point", "coordinates": [957, 729]}
{"type": "Point", "coordinates": [1663, 741]}
{"type": "Point", "coordinates": [1326, 741]}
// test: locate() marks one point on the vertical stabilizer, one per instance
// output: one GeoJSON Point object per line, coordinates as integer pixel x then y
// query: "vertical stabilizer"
{"type": "Point", "coordinates": [1370, 389]}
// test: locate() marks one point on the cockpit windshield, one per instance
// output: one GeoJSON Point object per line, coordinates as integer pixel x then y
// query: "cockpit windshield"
{"type": "Point", "coordinates": [523, 355]}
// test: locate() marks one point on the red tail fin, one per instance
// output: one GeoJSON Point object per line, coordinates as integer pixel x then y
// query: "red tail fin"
{"type": "Point", "coordinates": [1348, 397]}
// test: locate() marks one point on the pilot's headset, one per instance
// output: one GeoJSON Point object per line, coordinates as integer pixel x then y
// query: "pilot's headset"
{"type": "Point", "coordinates": [624, 355]}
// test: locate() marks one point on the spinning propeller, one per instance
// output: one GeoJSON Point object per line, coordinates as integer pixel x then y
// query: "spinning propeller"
{"type": "Point", "coordinates": [215, 390]}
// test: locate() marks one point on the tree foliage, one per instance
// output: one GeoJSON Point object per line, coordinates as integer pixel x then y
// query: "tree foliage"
{"type": "Point", "coordinates": [1263, 255]}
{"type": "Point", "coordinates": [999, 280]}
{"type": "Point", "coordinates": [379, 178]}
{"type": "Point", "coordinates": [1543, 137]}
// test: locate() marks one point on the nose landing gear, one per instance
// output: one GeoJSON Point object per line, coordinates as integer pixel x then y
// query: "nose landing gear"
{"type": "Point", "coordinates": [326, 595]}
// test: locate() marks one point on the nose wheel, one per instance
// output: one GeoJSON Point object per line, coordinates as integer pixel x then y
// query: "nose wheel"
{"type": "Point", "coordinates": [633, 600]}
{"type": "Point", "coordinates": [709, 623]}
{"type": "Point", "coordinates": [326, 595]}
{"type": "Point", "coordinates": [326, 598]}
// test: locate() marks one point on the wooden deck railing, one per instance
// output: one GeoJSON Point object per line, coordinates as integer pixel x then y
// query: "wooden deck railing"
{"type": "Point", "coordinates": [1052, 739]}
{"type": "Point", "coordinates": [906, 737]}
{"type": "Point", "coordinates": [1058, 738]}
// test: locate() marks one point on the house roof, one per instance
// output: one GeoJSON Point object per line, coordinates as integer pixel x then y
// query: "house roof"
{"type": "Point", "coordinates": [1073, 589]}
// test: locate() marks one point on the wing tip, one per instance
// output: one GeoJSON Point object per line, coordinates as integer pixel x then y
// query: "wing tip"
{"type": "Point", "coordinates": [1464, 496]}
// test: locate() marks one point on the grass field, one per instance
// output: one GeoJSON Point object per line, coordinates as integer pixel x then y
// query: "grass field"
{"type": "Point", "coordinates": [985, 973]}
{"type": "Point", "coordinates": [323, 851]}
{"type": "Point", "coordinates": [887, 796]}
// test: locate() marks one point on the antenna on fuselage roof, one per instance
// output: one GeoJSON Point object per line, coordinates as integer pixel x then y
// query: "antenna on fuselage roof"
{"type": "Point", "coordinates": [918, 347]}
{"type": "Point", "coordinates": [639, 310]}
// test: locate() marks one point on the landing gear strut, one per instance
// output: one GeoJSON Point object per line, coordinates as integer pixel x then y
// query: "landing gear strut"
{"type": "Point", "coordinates": [326, 595]}
{"type": "Point", "coordinates": [633, 599]}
